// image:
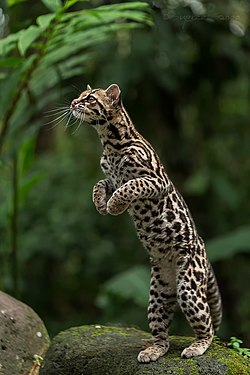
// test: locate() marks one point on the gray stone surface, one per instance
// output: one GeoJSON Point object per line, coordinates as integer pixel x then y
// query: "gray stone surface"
{"type": "Point", "coordinates": [101, 350]}
{"type": "Point", "coordinates": [22, 336]}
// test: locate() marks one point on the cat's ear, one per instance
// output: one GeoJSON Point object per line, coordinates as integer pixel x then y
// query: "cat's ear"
{"type": "Point", "coordinates": [89, 88]}
{"type": "Point", "coordinates": [114, 93]}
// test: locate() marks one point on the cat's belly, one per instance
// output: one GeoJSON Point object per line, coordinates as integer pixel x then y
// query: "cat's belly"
{"type": "Point", "coordinates": [151, 227]}
{"type": "Point", "coordinates": [159, 229]}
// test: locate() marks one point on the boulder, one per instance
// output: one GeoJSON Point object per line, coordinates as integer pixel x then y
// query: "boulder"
{"type": "Point", "coordinates": [23, 338]}
{"type": "Point", "coordinates": [102, 350]}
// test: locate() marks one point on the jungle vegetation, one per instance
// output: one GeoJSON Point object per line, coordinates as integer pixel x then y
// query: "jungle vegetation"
{"type": "Point", "coordinates": [184, 70]}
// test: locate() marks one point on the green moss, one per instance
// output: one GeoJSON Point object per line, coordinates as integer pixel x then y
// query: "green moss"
{"type": "Point", "coordinates": [235, 363]}
{"type": "Point", "coordinates": [113, 351]}
{"type": "Point", "coordinates": [102, 330]}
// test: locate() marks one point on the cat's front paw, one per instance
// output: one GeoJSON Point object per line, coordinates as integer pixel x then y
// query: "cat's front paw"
{"type": "Point", "coordinates": [115, 207]}
{"type": "Point", "coordinates": [101, 208]}
{"type": "Point", "coordinates": [99, 198]}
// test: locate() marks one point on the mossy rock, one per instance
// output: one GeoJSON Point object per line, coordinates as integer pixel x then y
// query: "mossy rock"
{"type": "Point", "coordinates": [102, 350]}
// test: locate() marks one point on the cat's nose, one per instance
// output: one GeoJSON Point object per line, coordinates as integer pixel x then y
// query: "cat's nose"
{"type": "Point", "coordinates": [73, 103]}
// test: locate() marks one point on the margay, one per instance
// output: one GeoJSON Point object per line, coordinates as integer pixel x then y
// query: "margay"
{"type": "Point", "coordinates": [136, 181]}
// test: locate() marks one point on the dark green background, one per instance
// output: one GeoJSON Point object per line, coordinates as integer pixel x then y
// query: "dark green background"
{"type": "Point", "coordinates": [185, 83]}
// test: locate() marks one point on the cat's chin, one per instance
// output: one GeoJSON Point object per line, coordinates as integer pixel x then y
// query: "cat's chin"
{"type": "Point", "coordinates": [76, 113]}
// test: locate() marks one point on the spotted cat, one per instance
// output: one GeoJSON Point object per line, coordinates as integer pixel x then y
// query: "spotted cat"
{"type": "Point", "coordinates": [136, 181]}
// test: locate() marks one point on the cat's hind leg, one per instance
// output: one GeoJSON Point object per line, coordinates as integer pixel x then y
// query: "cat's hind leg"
{"type": "Point", "coordinates": [161, 307]}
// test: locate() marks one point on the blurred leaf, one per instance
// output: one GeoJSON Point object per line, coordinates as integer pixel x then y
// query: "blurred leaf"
{"type": "Point", "coordinates": [8, 43]}
{"type": "Point", "coordinates": [26, 154]}
{"type": "Point", "coordinates": [198, 182]}
{"type": "Point", "coordinates": [54, 5]}
{"type": "Point", "coordinates": [2, 76]}
{"type": "Point", "coordinates": [27, 184]}
{"type": "Point", "coordinates": [14, 2]}
{"type": "Point", "coordinates": [45, 20]}
{"type": "Point", "coordinates": [27, 37]}
{"type": "Point", "coordinates": [225, 190]}
{"type": "Point", "coordinates": [8, 86]}
{"type": "Point", "coordinates": [70, 3]}
{"type": "Point", "coordinates": [230, 244]}
{"type": "Point", "coordinates": [10, 62]}
{"type": "Point", "coordinates": [129, 285]}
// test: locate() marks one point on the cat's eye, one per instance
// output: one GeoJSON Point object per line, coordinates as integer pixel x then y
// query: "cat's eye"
{"type": "Point", "coordinates": [91, 99]}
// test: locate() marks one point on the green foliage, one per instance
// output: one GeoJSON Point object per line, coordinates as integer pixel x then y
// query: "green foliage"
{"type": "Point", "coordinates": [185, 82]}
{"type": "Point", "coordinates": [14, 2]}
{"type": "Point", "coordinates": [35, 59]}
{"type": "Point", "coordinates": [53, 5]}
{"type": "Point", "coordinates": [228, 245]}
{"type": "Point", "coordinates": [136, 280]}
{"type": "Point", "coordinates": [40, 56]}
{"type": "Point", "coordinates": [61, 234]}
{"type": "Point", "coordinates": [27, 180]}
{"type": "Point", "coordinates": [235, 344]}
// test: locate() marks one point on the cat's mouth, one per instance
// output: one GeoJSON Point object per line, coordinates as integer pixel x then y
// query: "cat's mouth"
{"type": "Point", "coordinates": [81, 112]}
{"type": "Point", "coordinates": [76, 113]}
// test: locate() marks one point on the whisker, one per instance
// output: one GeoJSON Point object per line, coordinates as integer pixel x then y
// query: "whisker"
{"type": "Point", "coordinates": [70, 125]}
{"type": "Point", "coordinates": [73, 132]}
{"type": "Point", "coordinates": [58, 118]}
{"type": "Point", "coordinates": [62, 116]}
{"type": "Point", "coordinates": [54, 126]}
{"type": "Point", "coordinates": [57, 114]}
{"type": "Point", "coordinates": [56, 111]}
{"type": "Point", "coordinates": [81, 119]}
{"type": "Point", "coordinates": [78, 126]}
{"type": "Point", "coordinates": [59, 122]}
{"type": "Point", "coordinates": [76, 88]}
{"type": "Point", "coordinates": [67, 124]}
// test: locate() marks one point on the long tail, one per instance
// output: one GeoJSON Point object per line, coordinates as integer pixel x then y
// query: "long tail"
{"type": "Point", "coordinates": [214, 299]}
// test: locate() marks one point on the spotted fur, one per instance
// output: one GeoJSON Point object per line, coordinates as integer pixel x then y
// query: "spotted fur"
{"type": "Point", "coordinates": [136, 181]}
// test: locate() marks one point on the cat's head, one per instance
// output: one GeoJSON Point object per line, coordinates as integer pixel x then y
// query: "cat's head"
{"type": "Point", "coordinates": [97, 106]}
